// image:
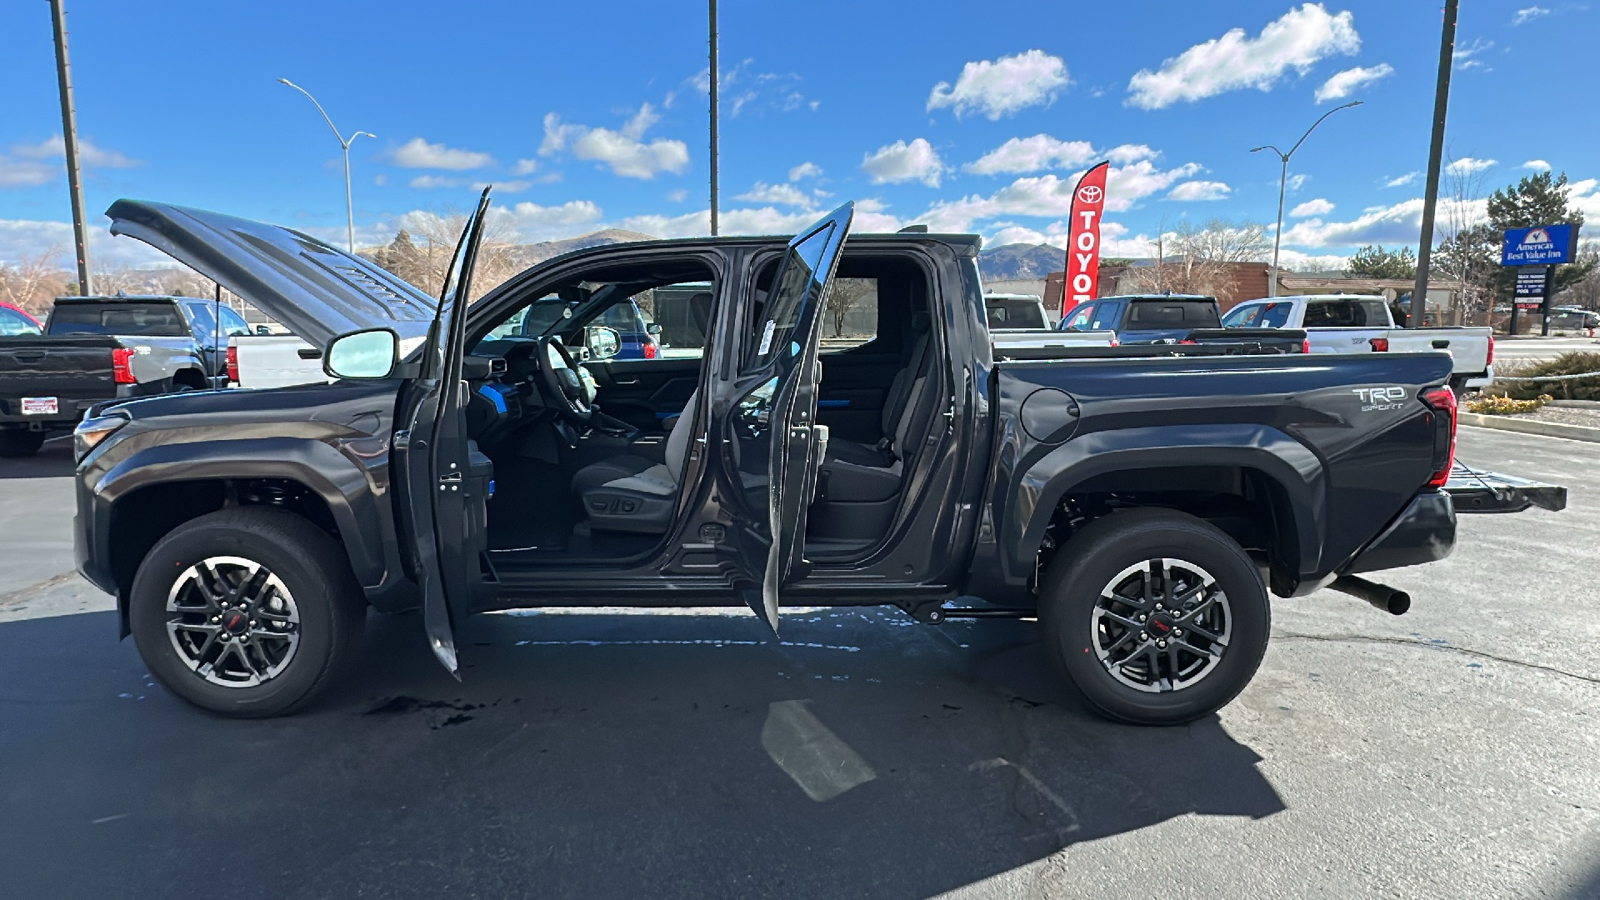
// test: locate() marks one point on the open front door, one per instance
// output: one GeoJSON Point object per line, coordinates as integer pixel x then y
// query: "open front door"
{"type": "Point", "coordinates": [444, 493]}
{"type": "Point", "coordinates": [780, 444]}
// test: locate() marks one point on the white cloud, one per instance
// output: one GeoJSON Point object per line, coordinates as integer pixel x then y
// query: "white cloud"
{"type": "Point", "coordinates": [1003, 86]}
{"type": "Point", "coordinates": [901, 161]}
{"type": "Point", "coordinates": [805, 170]}
{"type": "Point", "coordinates": [1538, 165]}
{"type": "Point", "coordinates": [1400, 223]}
{"type": "Point", "coordinates": [1123, 154]}
{"type": "Point", "coordinates": [1200, 190]}
{"type": "Point", "coordinates": [1467, 165]}
{"type": "Point", "coordinates": [1048, 195]}
{"type": "Point", "coordinates": [1343, 84]}
{"type": "Point", "coordinates": [1467, 56]}
{"type": "Point", "coordinates": [781, 194]}
{"type": "Point", "coordinates": [625, 151]}
{"type": "Point", "coordinates": [1301, 38]}
{"type": "Point", "coordinates": [23, 237]}
{"type": "Point", "coordinates": [434, 182]}
{"type": "Point", "coordinates": [1317, 207]}
{"type": "Point", "coordinates": [510, 186]}
{"type": "Point", "coordinates": [1020, 155]}
{"type": "Point", "coordinates": [1527, 15]}
{"type": "Point", "coordinates": [1295, 182]}
{"type": "Point", "coordinates": [534, 222]}
{"type": "Point", "coordinates": [419, 154]}
{"type": "Point", "coordinates": [677, 196]}
{"type": "Point", "coordinates": [89, 154]}
{"type": "Point", "coordinates": [23, 173]}
{"type": "Point", "coordinates": [1402, 180]}
{"type": "Point", "coordinates": [525, 167]}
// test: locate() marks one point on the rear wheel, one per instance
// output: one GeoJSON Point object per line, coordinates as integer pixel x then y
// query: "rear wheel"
{"type": "Point", "coordinates": [1156, 616]}
{"type": "Point", "coordinates": [16, 443]}
{"type": "Point", "coordinates": [246, 612]}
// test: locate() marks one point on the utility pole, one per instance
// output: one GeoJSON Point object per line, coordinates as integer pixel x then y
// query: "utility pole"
{"type": "Point", "coordinates": [1441, 100]}
{"type": "Point", "coordinates": [69, 138]}
{"type": "Point", "coordinates": [714, 78]}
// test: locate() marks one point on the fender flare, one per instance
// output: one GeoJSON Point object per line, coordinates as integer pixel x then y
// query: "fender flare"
{"type": "Point", "coordinates": [1287, 463]}
{"type": "Point", "coordinates": [365, 524]}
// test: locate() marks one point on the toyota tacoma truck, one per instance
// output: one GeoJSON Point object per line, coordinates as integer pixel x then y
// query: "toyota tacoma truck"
{"type": "Point", "coordinates": [1139, 507]}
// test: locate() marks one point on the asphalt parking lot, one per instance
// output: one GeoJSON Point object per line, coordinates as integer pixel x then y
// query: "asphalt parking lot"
{"type": "Point", "coordinates": [1452, 752]}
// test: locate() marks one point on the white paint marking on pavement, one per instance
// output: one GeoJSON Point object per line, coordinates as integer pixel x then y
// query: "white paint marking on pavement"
{"type": "Point", "coordinates": [699, 642]}
{"type": "Point", "coordinates": [807, 751]}
{"type": "Point", "coordinates": [105, 819]}
{"type": "Point", "coordinates": [1000, 762]}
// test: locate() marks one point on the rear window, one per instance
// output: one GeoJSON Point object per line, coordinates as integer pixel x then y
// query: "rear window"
{"type": "Point", "coordinates": [1174, 314]}
{"type": "Point", "coordinates": [1346, 314]}
{"type": "Point", "coordinates": [142, 319]}
{"type": "Point", "coordinates": [1015, 313]}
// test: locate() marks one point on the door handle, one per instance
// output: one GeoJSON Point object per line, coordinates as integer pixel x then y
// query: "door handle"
{"type": "Point", "coordinates": [624, 381]}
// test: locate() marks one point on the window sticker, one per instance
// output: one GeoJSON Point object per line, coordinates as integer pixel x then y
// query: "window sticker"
{"type": "Point", "coordinates": [766, 338]}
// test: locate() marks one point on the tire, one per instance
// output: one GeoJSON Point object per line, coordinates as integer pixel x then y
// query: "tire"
{"type": "Point", "coordinates": [313, 584]}
{"type": "Point", "coordinates": [16, 443]}
{"type": "Point", "coordinates": [1086, 644]}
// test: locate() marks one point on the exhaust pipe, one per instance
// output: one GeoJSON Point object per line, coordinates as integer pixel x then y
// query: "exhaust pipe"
{"type": "Point", "coordinates": [1391, 600]}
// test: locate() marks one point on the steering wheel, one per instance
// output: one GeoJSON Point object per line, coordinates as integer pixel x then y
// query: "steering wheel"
{"type": "Point", "coordinates": [565, 386]}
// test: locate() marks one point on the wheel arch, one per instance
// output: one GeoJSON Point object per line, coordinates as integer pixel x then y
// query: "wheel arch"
{"type": "Point", "coordinates": [1186, 468]}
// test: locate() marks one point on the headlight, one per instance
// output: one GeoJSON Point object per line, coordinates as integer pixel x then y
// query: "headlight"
{"type": "Point", "coordinates": [90, 432]}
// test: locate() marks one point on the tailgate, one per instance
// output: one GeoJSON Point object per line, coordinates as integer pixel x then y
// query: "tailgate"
{"type": "Point", "coordinates": [1477, 491]}
{"type": "Point", "coordinates": [73, 370]}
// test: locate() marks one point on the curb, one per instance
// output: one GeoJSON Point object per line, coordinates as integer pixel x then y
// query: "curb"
{"type": "Point", "coordinates": [1574, 404]}
{"type": "Point", "coordinates": [1524, 426]}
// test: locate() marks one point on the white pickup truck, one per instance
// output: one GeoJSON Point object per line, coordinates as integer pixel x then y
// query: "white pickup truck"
{"type": "Point", "coordinates": [273, 360]}
{"type": "Point", "coordinates": [1352, 323]}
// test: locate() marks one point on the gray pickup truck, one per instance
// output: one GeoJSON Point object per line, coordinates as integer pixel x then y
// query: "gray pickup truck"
{"type": "Point", "coordinates": [107, 348]}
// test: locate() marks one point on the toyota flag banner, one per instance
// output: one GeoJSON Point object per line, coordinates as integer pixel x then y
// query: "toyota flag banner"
{"type": "Point", "coordinates": [1083, 253]}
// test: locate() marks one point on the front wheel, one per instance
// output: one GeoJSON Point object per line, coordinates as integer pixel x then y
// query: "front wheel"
{"type": "Point", "coordinates": [1158, 617]}
{"type": "Point", "coordinates": [246, 612]}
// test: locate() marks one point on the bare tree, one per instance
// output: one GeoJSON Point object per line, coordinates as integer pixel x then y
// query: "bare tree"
{"type": "Point", "coordinates": [1466, 249]}
{"type": "Point", "coordinates": [1191, 259]}
{"type": "Point", "coordinates": [29, 283]}
{"type": "Point", "coordinates": [845, 295]}
{"type": "Point", "coordinates": [421, 253]}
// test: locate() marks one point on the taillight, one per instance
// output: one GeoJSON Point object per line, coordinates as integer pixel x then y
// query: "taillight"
{"type": "Point", "coordinates": [1114, 343]}
{"type": "Point", "coordinates": [1379, 345]}
{"type": "Point", "coordinates": [649, 349]}
{"type": "Point", "coordinates": [233, 365]}
{"type": "Point", "coordinates": [1305, 345]}
{"type": "Point", "coordinates": [1442, 401]}
{"type": "Point", "coordinates": [121, 370]}
{"type": "Point", "coordinates": [1490, 361]}
{"type": "Point", "coordinates": [1188, 341]}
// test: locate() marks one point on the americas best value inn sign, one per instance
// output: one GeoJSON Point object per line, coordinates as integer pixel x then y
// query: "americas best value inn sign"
{"type": "Point", "coordinates": [1543, 245]}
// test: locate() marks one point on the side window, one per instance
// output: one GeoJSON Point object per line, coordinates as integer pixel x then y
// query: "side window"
{"type": "Point", "coordinates": [1105, 317]}
{"type": "Point", "coordinates": [850, 314]}
{"type": "Point", "coordinates": [1241, 317]}
{"type": "Point", "coordinates": [1078, 319]}
{"type": "Point", "coordinates": [678, 317]}
{"type": "Point", "coordinates": [1274, 315]}
{"type": "Point", "coordinates": [1372, 314]}
{"type": "Point", "coordinates": [14, 324]}
{"type": "Point", "coordinates": [205, 327]}
{"type": "Point", "coordinates": [788, 302]}
{"type": "Point", "coordinates": [233, 324]}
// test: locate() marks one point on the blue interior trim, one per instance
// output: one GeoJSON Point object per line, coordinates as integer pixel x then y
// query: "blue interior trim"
{"type": "Point", "coordinates": [494, 397]}
{"type": "Point", "coordinates": [833, 404]}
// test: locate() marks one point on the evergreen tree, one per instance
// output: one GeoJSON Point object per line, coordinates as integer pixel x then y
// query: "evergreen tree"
{"type": "Point", "coordinates": [1376, 262]}
{"type": "Point", "coordinates": [1540, 199]}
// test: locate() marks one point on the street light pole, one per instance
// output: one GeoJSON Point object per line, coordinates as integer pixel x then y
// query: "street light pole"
{"type": "Point", "coordinates": [69, 144]}
{"type": "Point", "coordinates": [344, 145]}
{"type": "Point", "coordinates": [1283, 180]}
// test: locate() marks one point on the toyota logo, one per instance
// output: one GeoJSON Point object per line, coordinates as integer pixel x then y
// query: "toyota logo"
{"type": "Point", "coordinates": [1090, 193]}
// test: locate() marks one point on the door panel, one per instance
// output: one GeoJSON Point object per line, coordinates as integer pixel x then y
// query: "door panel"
{"type": "Point", "coordinates": [770, 471]}
{"type": "Point", "coordinates": [643, 392]}
{"type": "Point", "coordinates": [444, 475]}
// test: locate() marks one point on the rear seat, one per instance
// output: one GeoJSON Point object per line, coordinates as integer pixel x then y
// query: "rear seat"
{"type": "Point", "coordinates": [853, 472]}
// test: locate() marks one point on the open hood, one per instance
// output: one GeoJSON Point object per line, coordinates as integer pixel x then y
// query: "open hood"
{"type": "Point", "coordinates": [318, 291]}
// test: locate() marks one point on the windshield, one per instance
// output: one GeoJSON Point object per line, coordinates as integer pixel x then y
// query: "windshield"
{"type": "Point", "coordinates": [1240, 317]}
{"type": "Point", "coordinates": [136, 319]}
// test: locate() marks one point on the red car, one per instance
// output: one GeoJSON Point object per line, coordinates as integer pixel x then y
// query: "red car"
{"type": "Point", "coordinates": [14, 321]}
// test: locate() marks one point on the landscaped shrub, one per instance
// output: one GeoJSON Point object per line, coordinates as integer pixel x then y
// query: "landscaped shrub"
{"type": "Point", "coordinates": [1565, 364]}
{"type": "Point", "coordinates": [1504, 406]}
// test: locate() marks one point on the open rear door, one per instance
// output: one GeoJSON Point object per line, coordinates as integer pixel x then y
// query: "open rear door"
{"type": "Point", "coordinates": [774, 415]}
{"type": "Point", "coordinates": [445, 494]}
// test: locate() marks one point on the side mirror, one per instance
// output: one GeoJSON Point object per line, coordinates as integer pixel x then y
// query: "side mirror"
{"type": "Point", "coordinates": [602, 341]}
{"type": "Point", "coordinates": [363, 354]}
{"type": "Point", "coordinates": [262, 329]}
{"type": "Point", "coordinates": [654, 328]}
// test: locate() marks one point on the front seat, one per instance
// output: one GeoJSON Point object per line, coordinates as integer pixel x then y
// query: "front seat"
{"type": "Point", "coordinates": [633, 493]}
{"type": "Point", "coordinates": [636, 494]}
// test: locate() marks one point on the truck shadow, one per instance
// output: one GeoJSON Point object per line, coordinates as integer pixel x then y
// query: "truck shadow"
{"type": "Point", "coordinates": [591, 755]}
{"type": "Point", "coordinates": [54, 460]}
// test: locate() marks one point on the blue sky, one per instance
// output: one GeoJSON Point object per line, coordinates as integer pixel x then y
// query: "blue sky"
{"type": "Point", "coordinates": [966, 117]}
